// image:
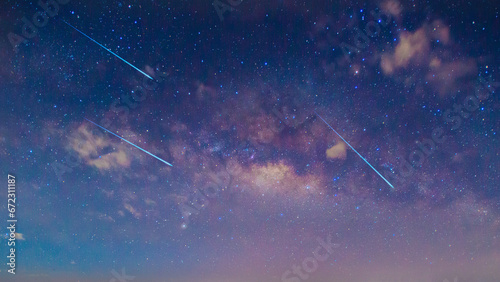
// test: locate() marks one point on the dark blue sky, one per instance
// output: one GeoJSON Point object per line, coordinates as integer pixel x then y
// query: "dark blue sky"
{"type": "Point", "coordinates": [259, 183]}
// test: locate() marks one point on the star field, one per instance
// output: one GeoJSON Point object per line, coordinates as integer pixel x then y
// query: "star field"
{"type": "Point", "coordinates": [252, 184]}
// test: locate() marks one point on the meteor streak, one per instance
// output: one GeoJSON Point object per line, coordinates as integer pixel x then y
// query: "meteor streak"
{"type": "Point", "coordinates": [130, 143]}
{"type": "Point", "coordinates": [108, 50]}
{"type": "Point", "coordinates": [354, 150]}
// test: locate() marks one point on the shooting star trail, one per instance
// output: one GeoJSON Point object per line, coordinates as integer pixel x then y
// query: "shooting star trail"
{"type": "Point", "coordinates": [130, 143]}
{"type": "Point", "coordinates": [355, 150]}
{"type": "Point", "coordinates": [108, 50]}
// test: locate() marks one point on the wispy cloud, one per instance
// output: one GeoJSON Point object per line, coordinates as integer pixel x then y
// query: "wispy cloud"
{"type": "Point", "coordinates": [92, 149]}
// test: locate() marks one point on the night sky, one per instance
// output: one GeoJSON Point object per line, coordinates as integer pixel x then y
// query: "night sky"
{"type": "Point", "coordinates": [241, 97]}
